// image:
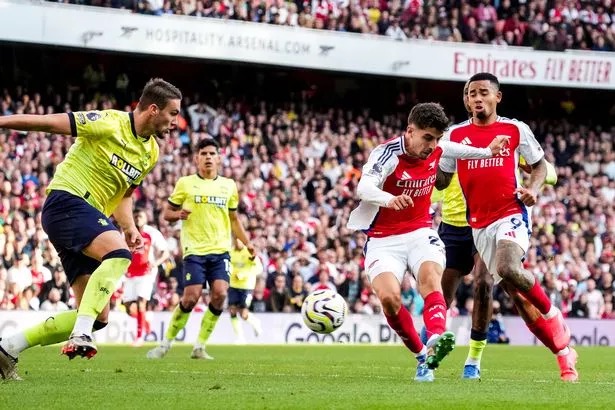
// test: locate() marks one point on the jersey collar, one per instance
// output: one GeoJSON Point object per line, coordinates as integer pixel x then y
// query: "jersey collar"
{"type": "Point", "coordinates": [403, 144]}
{"type": "Point", "coordinates": [205, 179]}
{"type": "Point", "coordinates": [131, 115]}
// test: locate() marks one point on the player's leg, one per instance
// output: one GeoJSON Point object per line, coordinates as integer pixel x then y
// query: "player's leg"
{"type": "Point", "coordinates": [512, 243]}
{"type": "Point", "coordinates": [249, 316]}
{"type": "Point", "coordinates": [144, 288]}
{"type": "Point", "coordinates": [138, 312]}
{"type": "Point", "coordinates": [194, 277]}
{"type": "Point", "coordinates": [481, 316]}
{"type": "Point", "coordinates": [74, 225]}
{"type": "Point", "coordinates": [110, 248]}
{"type": "Point", "coordinates": [233, 310]}
{"type": "Point", "coordinates": [566, 356]}
{"type": "Point", "coordinates": [458, 247]}
{"type": "Point", "coordinates": [386, 265]}
{"type": "Point", "coordinates": [130, 299]}
{"type": "Point", "coordinates": [426, 258]}
{"type": "Point", "coordinates": [54, 329]}
{"type": "Point", "coordinates": [461, 259]}
{"type": "Point", "coordinates": [218, 274]}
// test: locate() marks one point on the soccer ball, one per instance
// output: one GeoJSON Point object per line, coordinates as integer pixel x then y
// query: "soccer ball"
{"type": "Point", "coordinates": [324, 310]}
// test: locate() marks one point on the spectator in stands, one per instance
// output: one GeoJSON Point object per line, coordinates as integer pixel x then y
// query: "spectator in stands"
{"type": "Point", "coordinates": [296, 215]}
{"type": "Point", "coordinates": [53, 302]}
{"type": "Point", "coordinates": [297, 293]}
{"type": "Point", "coordinates": [553, 25]}
{"type": "Point", "coordinates": [279, 300]}
{"type": "Point", "coordinates": [58, 282]}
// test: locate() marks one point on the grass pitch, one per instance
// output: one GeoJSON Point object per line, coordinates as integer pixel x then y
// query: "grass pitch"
{"type": "Point", "coordinates": [304, 377]}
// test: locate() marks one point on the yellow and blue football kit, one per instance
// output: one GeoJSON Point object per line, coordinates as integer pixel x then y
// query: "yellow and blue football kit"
{"type": "Point", "coordinates": [106, 159]}
{"type": "Point", "coordinates": [244, 270]}
{"type": "Point", "coordinates": [206, 233]}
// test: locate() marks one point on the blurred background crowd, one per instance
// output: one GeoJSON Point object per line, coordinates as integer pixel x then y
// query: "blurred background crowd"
{"type": "Point", "coordinates": [296, 153]}
{"type": "Point", "coordinates": [544, 24]}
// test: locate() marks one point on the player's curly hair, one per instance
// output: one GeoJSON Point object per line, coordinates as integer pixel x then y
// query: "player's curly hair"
{"type": "Point", "coordinates": [428, 115]}
{"type": "Point", "coordinates": [159, 92]}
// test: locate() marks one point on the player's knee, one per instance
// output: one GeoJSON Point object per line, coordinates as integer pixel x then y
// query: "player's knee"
{"type": "Point", "coordinates": [391, 303]}
{"type": "Point", "coordinates": [507, 271]}
{"type": "Point", "coordinates": [484, 282]}
{"type": "Point", "coordinates": [118, 254]}
{"type": "Point", "coordinates": [187, 304]}
{"type": "Point", "coordinates": [244, 314]}
{"type": "Point", "coordinates": [218, 298]}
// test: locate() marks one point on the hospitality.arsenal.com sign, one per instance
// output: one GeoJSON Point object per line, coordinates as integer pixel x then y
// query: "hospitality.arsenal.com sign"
{"type": "Point", "coordinates": [215, 39]}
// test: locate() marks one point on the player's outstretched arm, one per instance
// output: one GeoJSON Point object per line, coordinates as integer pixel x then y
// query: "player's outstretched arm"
{"type": "Point", "coordinates": [456, 150]}
{"type": "Point", "coordinates": [51, 123]}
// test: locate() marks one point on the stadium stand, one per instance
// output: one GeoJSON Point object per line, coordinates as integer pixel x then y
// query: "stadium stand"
{"type": "Point", "coordinates": [296, 155]}
{"type": "Point", "coordinates": [547, 25]}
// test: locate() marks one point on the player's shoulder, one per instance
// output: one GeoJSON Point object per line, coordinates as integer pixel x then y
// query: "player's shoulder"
{"type": "Point", "coordinates": [224, 181]}
{"type": "Point", "coordinates": [459, 125]}
{"type": "Point", "coordinates": [455, 128]}
{"type": "Point", "coordinates": [522, 126]}
{"type": "Point", "coordinates": [109, 115]}
{"type": "Point", "coordinates": [388, 149]}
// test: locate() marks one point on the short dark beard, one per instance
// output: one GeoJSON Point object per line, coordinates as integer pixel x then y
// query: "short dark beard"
{"type": "Point", "coordinates": [482, 115]}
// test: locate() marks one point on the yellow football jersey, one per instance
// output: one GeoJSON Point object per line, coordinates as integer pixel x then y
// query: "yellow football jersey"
{"type": "Point", "coordinates": [208, 228]}
{"type": "Point", "coordinates": [454, 204]}
{"type": "Point", "coordinates": [106, 159]}
{"type": "Point", "coordinates": [244, 269]}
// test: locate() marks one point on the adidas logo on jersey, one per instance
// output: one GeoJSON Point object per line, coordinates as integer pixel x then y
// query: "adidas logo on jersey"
{"type": "Point", "coordinates": [405, 176]}
{"type": "Point", "coordinates": [466, 141]}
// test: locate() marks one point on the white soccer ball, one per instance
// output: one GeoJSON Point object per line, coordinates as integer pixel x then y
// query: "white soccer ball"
{"type": "Point", "coordinates": [324, 310]}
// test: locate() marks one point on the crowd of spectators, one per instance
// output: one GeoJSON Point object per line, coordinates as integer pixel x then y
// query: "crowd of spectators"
{"type": "Point", "coordinates": [297, 168]}
{"type": "Point", "coordinates": [545, 24]}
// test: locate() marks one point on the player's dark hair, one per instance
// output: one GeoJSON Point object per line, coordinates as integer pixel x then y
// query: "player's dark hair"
{"type": "Point", "coordinates": [485, 76]}
{"type": "Point", "coordinates": [428, 115]}
{"type": "Point", "coordinates": [207, 142]}
{"type": "Point", "coordinates": [138, 211]}
{"type": "Point", "coordinates": [159, 92]}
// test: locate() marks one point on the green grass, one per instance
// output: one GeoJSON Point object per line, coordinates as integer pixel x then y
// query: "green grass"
{"type": "Point", "coordinates": [304, 377]}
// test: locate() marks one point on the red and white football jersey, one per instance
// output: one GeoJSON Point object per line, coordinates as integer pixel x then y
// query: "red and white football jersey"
{"type": "Point", "coordinates": [391, 170]}
{"type": "Point", "coordinates": [140, 265]}
{"type": "Point", "coordinates": [489, 184]}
